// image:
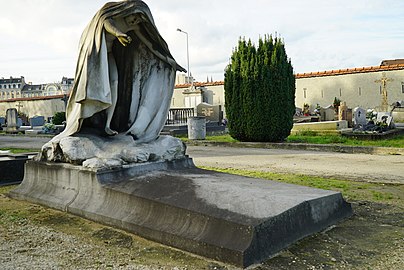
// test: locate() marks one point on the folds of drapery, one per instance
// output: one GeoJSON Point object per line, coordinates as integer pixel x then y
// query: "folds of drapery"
{"type": "Point", "coordinates": [151, 79]}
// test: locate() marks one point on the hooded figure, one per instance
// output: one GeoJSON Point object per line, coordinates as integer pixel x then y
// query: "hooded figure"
{"type": "Point", "coordinates": [124, 77]}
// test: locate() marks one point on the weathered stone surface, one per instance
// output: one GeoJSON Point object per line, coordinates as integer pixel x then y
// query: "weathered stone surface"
{"type": "Point", "coordinates": [230, 218]}
{"type": "Point", "coordinates": [329, 125]}
{"type": "Point", "coordinates": [359, 117]}
{"type": "Point", "coordinates": [94, 152]}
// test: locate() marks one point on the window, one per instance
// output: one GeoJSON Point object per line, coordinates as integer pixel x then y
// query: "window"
{"type": "Point", "coordinates": [322, 93]}
{"type": "Point", "coordinates": [360, 91]}
{"type": "Point", "coordinates": [402, 87]}
{"type": "Point", "coordinates": [304, 92]}
{"type": "Point", "coordinates": [340, 92]}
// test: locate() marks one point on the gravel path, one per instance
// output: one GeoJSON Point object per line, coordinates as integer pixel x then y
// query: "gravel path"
{"type": "Point", "coordinates": [360, 167]}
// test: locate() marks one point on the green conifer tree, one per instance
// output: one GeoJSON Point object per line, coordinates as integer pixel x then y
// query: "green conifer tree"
{"type": "Point", "coordinates": [260, 91]}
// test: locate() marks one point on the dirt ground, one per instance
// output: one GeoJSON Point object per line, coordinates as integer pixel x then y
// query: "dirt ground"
{"type": "Point", "coordinates": [35, 237]}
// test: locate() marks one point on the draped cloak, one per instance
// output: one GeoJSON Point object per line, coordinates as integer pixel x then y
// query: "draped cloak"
{"type": "Point", "coordinates": [145, 81]}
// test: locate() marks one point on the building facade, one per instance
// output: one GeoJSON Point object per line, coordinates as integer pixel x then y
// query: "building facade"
{"type": "Point", "coordinates": [34, 99]}
{"type": "Point", "coordinates": [34, 106]}
{"type": "Point", "coordinates": [190, 96]}
{"type": "Point", "coordinates": [11, 88]}
{"type": "Point", "coordinates": [375, 87]}
{"type": "Point", "coordinates": [367, 87]}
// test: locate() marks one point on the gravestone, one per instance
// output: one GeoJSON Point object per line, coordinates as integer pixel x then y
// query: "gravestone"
{"type": "Point", "coordinates": [196, 128]}
{"type": "Point", "coordinates": [327, 114]}
{"type": "Point", "coordinates": [349, 116]}
{"type": "Point", "coordinates": [212, 113]}
{"type": "Point", "coordinates": [342, 111]}
{"type": "Point", "coordinates": [12, 116]}
{"type": "Point", "coordinates": [359, 117]}
{"type": "Point", "coordinates": [19, 122]}
{"type": "Point", "coordinates": [37, 121]}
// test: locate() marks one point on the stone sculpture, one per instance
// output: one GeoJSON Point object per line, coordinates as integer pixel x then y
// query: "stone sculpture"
{"type": "Point", "coordinates": [124, 82]}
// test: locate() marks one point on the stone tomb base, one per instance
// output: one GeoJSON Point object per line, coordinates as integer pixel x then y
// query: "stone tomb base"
{"type": "Point", "coordinates": [233, 219]}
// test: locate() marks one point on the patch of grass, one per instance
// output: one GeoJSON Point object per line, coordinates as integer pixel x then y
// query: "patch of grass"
{"type": "Point", "coordinates": [317, 139]}
{"type": "Point", "coordinates": [351, 190]}
{"type": "Point", "coordinates": [313, 137]}
{"type": "Point", "coordinates": [6, 189]}
{"type": "Point", "coordinates": [338, 139]}
{"type": "Point", "coordinates": [381, 196]}
{"type": "Point", "coordinates": [20, 150]}
{"type": "Point", "coordinates": [226, 138]}
{"type": "Point", "coordinates": [221, 138]}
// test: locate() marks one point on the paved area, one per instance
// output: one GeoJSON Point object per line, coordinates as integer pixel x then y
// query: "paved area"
{"type": "Point", "coordinates": [359, 167]}
{"type": "Point", "coordinates": [24, 142]}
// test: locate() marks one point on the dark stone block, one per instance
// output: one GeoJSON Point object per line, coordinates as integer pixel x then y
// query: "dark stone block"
{"type": "Point", "coordinates": [234, 219]}
{"type": "Point", "coordinates": [12, 169]}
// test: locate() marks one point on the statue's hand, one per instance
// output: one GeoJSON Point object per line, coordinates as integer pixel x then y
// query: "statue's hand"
{"type": "Point", "coordinates": [124, 39]}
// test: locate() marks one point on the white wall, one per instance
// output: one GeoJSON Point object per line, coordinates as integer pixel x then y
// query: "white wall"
{"type": "Point", "coordinates": [358, 89]}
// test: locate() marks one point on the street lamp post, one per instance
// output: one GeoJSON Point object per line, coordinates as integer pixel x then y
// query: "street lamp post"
{"type": "Point", "coordinates": [179, 30]}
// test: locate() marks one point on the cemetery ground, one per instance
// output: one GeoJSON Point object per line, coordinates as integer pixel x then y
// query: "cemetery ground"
{"type": "Point", "coordinates": [35, 237]}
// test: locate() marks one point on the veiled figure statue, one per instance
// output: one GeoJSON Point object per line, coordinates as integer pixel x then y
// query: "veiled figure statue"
{"type": "Point", "coordinates": [124, 77]}
{"type": "Point", "coordinates": [123, 86]}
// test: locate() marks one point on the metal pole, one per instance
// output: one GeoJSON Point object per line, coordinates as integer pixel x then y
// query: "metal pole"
{"type": "Point", "coordinates": [179, 30]}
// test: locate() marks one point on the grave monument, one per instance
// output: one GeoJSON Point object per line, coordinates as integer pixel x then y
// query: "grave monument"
{"type": "Point", "coordinates": [2, 122]}
{"type": "Point", "coordinates": [212, 113]}
{"type": "Point", "coordinates": [327, 114]}
{"type": "Point", "coordinates": [37, 121]}
{"type": "Point", "coordinates": [110, 164]}
{"type": "Point", "coordinates": [12, 120]}
{"type": "Point", "coordinates": [359, 118]}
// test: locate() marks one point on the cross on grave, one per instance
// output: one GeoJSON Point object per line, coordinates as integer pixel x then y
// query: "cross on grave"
{"type": "Point", "coordinates": [65, 98]}
{"type": "Point", "coordinates": [19, 106]}
{"type": "Point", "coordinates": [384, 80]}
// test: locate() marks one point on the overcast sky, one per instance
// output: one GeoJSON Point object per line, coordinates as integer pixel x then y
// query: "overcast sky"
{"type": "Point", "coordinates": [39, 38]}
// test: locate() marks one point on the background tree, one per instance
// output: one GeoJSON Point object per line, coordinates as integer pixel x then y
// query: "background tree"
{"type": "Point", "coordinates": [59, 118]}
{"type": "Point", "coordinates": [260, 91]}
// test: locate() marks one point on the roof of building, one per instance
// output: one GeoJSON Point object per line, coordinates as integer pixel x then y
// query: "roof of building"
{"type": "Point", "coordinates": [392, 62]}
{"type": "Point", "coordinates": [34, 98]}
{"type": "Point", "coordinates": [397, 64]}
{"type": "Point", "coordinates": [199, 84]}
{"type": "Point", "coordinates": [12, 80]}
{"type": "Point", "coordinates": [32, 87]}
{"type": "Point", "coordinates": [350, 71]}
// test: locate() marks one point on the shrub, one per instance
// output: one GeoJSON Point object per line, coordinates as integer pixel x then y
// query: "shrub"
{"type": "Point", "coordinates": [59, 118]}
{"type": "Point", "coordinates": [260, 91]}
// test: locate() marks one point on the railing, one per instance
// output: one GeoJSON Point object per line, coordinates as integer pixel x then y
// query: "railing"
{"type": "Point", "coordinates": [179, 116]}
